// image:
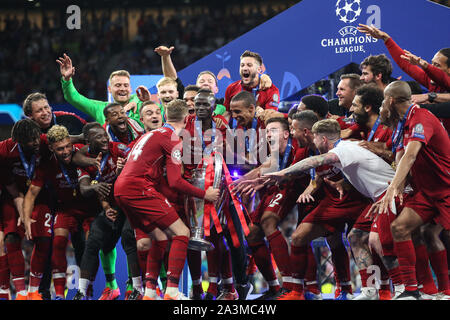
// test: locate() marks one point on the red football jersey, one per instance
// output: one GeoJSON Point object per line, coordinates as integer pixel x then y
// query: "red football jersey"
{"type": "Point", "coordinates": [194, 144]}
{"type": "Point", "coordinates": [108, 174]}
{"type": "Point", "coordinates": [298, 155]}
{"type": "Point", "coordinates": [431, 170]}
{"type": "Point", "coordinates": [266, 99]}
{"type": "Point", "coordinates": [382, 134]}
{"type": "Point", "coordinates": [252, 143]}
{"type": "Point", "coordinates": [12, 165]}
{"type": "Point", "coordinates": [66, 189]}
{"type": "Point", "coordinates": [345, 122]}
{"type": "Point", "coordinates": [155, 151]}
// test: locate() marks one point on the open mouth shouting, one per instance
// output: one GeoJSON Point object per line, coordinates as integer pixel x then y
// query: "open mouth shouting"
{"type": "Point", "coordinates": [247, 77]}
{"type": "Point", "coordinates": [121, 125]}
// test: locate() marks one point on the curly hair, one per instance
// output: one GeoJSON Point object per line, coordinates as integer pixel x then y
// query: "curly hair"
{"type": "Point", "coordinates": [25, 130]}
{"type": "Point", "coordinates": [57, 133]}
{"type": "Point", "coordinates": [379, 64]}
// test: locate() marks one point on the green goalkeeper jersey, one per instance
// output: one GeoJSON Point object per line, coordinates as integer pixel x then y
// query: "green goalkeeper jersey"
{"type": "Point", "coordinates": [94, 108]}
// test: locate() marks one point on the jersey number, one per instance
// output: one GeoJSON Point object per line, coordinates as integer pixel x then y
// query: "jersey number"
{"type": "Point", "coordinates": [275, 200]}
{"type": "Point", "coordinates": [48, 218]}
{"type": "Point", "coordinates": [137, 149]}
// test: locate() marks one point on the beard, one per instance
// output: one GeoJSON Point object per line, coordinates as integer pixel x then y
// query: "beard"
{"type": "Point", "coordinates": [248, 80]}
{"type": "Point", "coordinates": [361, 118]}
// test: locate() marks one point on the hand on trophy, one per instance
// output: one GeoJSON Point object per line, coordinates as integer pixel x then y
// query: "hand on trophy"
{"type": "Point", "coordinates": [249, 187]}
{"type": "Point", "coordinates": [212, 194]}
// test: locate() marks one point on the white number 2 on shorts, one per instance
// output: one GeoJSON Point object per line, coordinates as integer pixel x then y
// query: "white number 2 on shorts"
{"type": "Point", "coordinates": [275, 200]}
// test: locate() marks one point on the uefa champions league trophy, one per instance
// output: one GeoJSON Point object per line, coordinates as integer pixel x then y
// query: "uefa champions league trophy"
{"type": "Point", "coordinates": [196, 206]}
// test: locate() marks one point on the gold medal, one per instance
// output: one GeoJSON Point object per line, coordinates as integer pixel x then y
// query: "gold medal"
{"type": "Point", "coordinates": [94, 182]}
{"type": "Point", "coordinates": [394, 165]}
{"type": "Point", "coordinates": [74, 192]}
{"type": "Point", "coordinates": [28, 182]}
{"type": "Point", "coordinates": [314, 183]}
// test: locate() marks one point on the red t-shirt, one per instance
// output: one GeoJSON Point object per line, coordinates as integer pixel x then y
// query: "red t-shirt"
{"type": "Point", "coordinates": [266, 99]}
{"type": "Point", "coordinates": [67, 193]}
{"type": "Point", "coordinates": [194, 144]}
{"type": "Point", "coordinates": [155, 151]}
{"type": "Point", "coordinates": [134, 132]}
{"type": "Point", "coordinates": [250, 142]}
{"type": "Point", "coordinates": [12, 165]}
{"type": "Point", "coordinates": [431, 169]}
{"type": "Point", "coordinates": [108, 174]}
{"type": "Point", "coordinates": [416, 72]}
{"type": "Point", "coordinates": [382, 134]}
{"type": "Point", "coordinates": [345, 122]}
{"type": "Point", "coordinates": [299, 154]}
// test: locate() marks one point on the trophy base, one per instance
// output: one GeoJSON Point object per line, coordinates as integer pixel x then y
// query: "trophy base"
{"type": "Point", "coordinates": [200, 245]}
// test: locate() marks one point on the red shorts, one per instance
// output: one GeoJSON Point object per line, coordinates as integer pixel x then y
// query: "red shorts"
{"type": "Point", "coordinates": [43, 217]}
{"type": "Point", "coordinates": [71, 219]}
{"type": "Point", "coordinates": [277, 201]}
{"type": "Point", "coordinates": [139, 234]}
{"type": "Point", "coordinates": [10, 217]}
{"type": "Point", "coordinates": [428, 209]}
{"type": "Point", "coordinates": [305, 208]}
{"type": "Point", "coordinates": [148, 211]}
{"type": "Point", "coordinates": [333, 214]}
{"type": "Point", "coordinates": [363, 223]}
{"type": "Point", "coordinates": [382, 225]}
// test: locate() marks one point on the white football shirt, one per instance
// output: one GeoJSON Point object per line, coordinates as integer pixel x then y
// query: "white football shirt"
{"type": "Point", "coordinates": [366, 171]}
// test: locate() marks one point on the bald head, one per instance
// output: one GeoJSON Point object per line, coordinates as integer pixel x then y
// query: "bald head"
{"type": "Point", "coordinates": [399, 90]}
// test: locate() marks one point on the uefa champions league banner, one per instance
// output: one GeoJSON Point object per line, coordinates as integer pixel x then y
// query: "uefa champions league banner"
{"type": "Point", "coordinates": [315, 38]}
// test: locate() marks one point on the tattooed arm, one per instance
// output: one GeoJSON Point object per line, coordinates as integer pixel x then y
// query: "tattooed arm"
{"type": "Point", "coordinates": [304, 165]}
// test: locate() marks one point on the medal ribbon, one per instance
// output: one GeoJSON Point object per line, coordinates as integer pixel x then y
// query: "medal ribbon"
{"type": "Point", "coordinates": [287, 152]}
{"type": "Point", "coordinates": [168, 125]}
{"type": "Point", "coordinates": [312, 171]}
{"type": "Point", "coordinates": [248, 145]}
{"type": "Point", "coordinates": [114, 137]}
{"type": "Point", "coordinates": [374, 129]}
{"type": "Point", "coordinates": [29, 167]}
{"type": "Point", "coordinates": [66, 176]}
{"type": "Point", "coordinates": [102, 166]}
{"type": "Point", "coordinates": [397, 136]}
{"type": "Point", "coordinates": [200, 134]}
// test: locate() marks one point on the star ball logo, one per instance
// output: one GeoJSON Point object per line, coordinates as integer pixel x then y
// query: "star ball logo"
{"type": "Point", "coordinates": [350, 40]}
{"type": "Point", "coordinates": [348, 11]}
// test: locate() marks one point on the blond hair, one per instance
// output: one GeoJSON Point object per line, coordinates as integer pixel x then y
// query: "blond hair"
{"type": "Point", "coordinates": [207, 72]}
{"type": "Point", "coordinates": [166, 81]}
{"type": "Point", "coordinates": [57, 133]}
{"type": "Point", "coordinates": [123, 73]}
{"type": "Point", "coordinates": [176, 110]}
{"type": "Point", "coordinates": [327, 127]}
